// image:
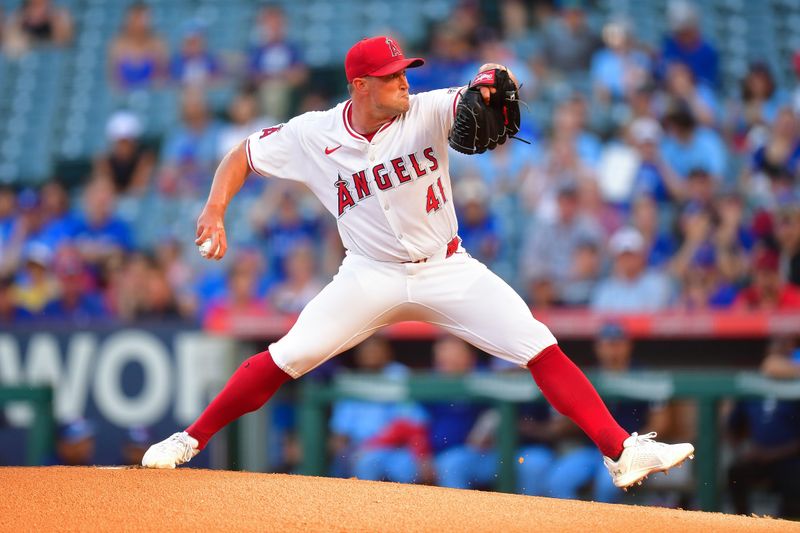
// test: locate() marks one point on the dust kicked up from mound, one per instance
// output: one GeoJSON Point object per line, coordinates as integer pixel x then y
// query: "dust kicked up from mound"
{"type": "Point", "coordinates": [63, 498]}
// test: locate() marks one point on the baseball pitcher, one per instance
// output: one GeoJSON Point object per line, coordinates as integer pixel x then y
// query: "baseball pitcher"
{"type": "Point", "coordinates": [378, 162]}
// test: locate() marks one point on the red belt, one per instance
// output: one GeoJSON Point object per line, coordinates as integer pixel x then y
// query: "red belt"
{"type": "Point", "coordinates": [452, 247]}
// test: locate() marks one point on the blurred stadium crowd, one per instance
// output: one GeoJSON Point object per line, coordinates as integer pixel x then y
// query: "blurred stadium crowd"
{"type": "Point", "coordinates": [654, 181]}
{"type": "Point", "coordinates": [663, 174]}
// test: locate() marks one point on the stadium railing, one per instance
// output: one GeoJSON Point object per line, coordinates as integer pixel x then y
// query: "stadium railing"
{"type": "Point", "coordinates": [507, 391]}
{"type": "Point", "coordinates": [42, 430]}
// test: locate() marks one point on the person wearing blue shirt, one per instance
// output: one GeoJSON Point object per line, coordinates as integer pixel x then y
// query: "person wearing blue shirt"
{"type": "Point", "coordinates": [98, 233]}
{"type": "Point", "coordinates": [686, 44]}
{"type": "Point", "coordinates": [688, 146]}
{"type": "Point", "coordinates": [10, 312]}
{"type": "Point", "coordinates": [770, 428]}
{"type": "Point", "coordinates": [275, 64]}
{"type": "Point", "coordinates": [355, 422]}
{"type": "Point", "coordinates": [450, 57]}
{"type": "Point", "coordinates": [618, 69]}
{"type": "Point", "coordinates": [78, 302]}
{"type": "Point", "coordinates": [463, 459]}
{"type": "Point", "coordinates": [632, 287]}
{"type": "Point", "coordinates": [195, 64]}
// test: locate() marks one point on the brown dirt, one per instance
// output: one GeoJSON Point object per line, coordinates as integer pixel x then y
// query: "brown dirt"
{"type": "Point", "coordinates": [69, 499]}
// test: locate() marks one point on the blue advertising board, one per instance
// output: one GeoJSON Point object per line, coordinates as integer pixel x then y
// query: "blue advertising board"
{"type": "Point", "coordinates": [158, 378]}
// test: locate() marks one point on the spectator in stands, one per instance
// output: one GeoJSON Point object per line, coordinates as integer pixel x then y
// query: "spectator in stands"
{"type": "Point", "coordinates": [243, 119]}
{"type": "Point", "coordinates": [689, 146]}
{"type": "Point", "coordinates": [450, 56]}
{"type": "Point", "coordinates": [685, 43]}
{"type": "Point", "coordinates": [582, 465]}
{"type": "Point", "coordinates": [10, 311]}
{"type": "Point", "coordinates": [275, 64]}
{"type": "Point", "coordinates": [30, 216]}
{"type": "Point", "coordinates": [569, 123]}
{"type": "Point", "coordinates": [702, 282]}
{"type": "Point", "coordinates": [11, 231]}
{"type": "Point", "coordinates": [36, 285]}
{"type": "Point", "coordinates": [576, 288]}
{"type": "Point", "coordinates": [490, 49]}
{"type": "Point", "coordinates": [461, 446]}
{"type": "Point", "coordinates": [715, 240]}
{"type": "Point", "coordinates": [194, 64]}
{"type": "Point", "coordinates": [766, 435]}
{"type": "Point", "coordinates": [128, 163]}
{"type": "Point", "coordinates": [732, 238]}
{"type": "Point", "coordinates": [632, 287]}
{"type": "Point", "coordinates": [170, 259]}
{"type": "Point", "coordinates": [378, 440]}
{"type": "Point", "coordinates": [99, 234]}
{"type": "Point", "coordinates": [783, 359]}
{"type": "Point", "coordinates": [562, 164]}
{"type": "Point", "coordinates": [539, 431]}
{"type": "Point", "coordinates": [515, 30]}
{"type": "Point", "coordinates": [478, 226]}
{"type": "Point", "coordinates": [787, 234]}
{"type": "Point", "coordinates": [653, 177]}
{"type": "Point", "coordinates": [75, 443]}
{"type": "Point", "coordinates": [37, 22]}
{"type": "Point", "coordinates": [550, 247]}
{"type": "Point", "coordinates": [242, 294]}
{"type": "Point", "coordinates": [761, 99]}
{"type": "Point", "coordinates": [301, 284]}
{"type": "Point", "coordinates": [189, 153]}
{"type": "Point", "coordinates": [650, 223]}
{"type": "Point", "coordinates": [138, 57]}
{"type": "Point", "coordinates": [283, 226]}
{"type": "Point", "coordinates": [58, 221]}
{"type": "Point", "coordinates": [775, 165]}
{"type": "Point", "coordinates": [681, 84]}
{"type": "Point", "coordinates": [157, 300]}
{"type": "Point", "coordinates": [767, 292]}
{"type": "Point", "coordinates": [78, 301]}
{"type": "Point", "coordinates": [619, 68]}
{"type": "Point", "coordinates": [137, 440]}
{"type": "Point", "coordinates": [568, 43]}
{"type": "Point", "coordinates": [541, 292]}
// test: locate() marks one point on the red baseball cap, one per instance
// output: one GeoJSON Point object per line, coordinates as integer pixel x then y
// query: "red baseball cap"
{"type": "Point", "coordinates": [377, 56]}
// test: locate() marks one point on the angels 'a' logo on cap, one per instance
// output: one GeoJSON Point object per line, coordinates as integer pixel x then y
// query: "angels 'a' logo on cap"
{"type": "Point", "coordinates": [393, 48]}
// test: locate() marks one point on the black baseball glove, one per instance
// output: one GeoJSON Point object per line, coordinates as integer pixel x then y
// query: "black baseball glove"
{"type": "Point", "coordinates": [479, 127]}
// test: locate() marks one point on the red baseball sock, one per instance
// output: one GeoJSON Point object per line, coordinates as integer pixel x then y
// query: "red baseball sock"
{"type": "Point", "coordinates": [253, 383]}
{"type": "Point", "coordinates": [572, 394]}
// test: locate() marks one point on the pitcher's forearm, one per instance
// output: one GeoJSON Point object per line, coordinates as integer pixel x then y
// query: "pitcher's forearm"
{"type": "Point", "coordinates": [229, 178]}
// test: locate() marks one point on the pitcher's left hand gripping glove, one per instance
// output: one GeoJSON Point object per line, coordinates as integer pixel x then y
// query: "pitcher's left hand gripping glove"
{"type": "Point", "coordinates": [479, 127]}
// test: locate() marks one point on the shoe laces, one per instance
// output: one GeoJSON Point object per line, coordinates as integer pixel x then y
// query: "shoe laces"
{"type": "Point", "coordinates": [180, 444]}
{"type": "Point", "coordinates": [647, 438]}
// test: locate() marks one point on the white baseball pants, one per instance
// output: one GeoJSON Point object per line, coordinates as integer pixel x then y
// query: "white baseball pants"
{"type": "Point", "coordinates": [458, 294]}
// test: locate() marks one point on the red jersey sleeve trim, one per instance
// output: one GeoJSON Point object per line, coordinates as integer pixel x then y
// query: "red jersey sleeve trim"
{"type": "Point", "coordinates": [250, 159]}
{"type": "Point", "coordinates": [455, 101]}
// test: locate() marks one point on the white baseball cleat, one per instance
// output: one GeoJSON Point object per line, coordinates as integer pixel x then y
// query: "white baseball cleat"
{"type": "Point", "coordinates": [642, 456]}
{"type": "Point", "coordinates": [179, 448]}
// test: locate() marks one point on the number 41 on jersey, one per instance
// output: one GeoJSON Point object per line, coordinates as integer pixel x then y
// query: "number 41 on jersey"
{"type": "Point", "coordinates": [432, 202]}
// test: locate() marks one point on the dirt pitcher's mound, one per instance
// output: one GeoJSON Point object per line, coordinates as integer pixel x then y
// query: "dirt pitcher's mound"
{"type": "Point", "coordinates": [62, 498]}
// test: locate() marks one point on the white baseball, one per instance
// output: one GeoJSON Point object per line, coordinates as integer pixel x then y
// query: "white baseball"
{"type": "Point", "coordinates": [205, 248]}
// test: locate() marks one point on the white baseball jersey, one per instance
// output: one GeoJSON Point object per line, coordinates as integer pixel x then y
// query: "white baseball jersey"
{"type": "Point", "coordinates": [391, 196]}
{"type": "Point", "coordinates": [393, 202]}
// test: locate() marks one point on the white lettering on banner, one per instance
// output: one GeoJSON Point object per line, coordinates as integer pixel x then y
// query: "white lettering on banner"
{"type": "Point", "coordinates": [18, 413]}
{"type": "Point", "coordinates": [201, 365]}
{"type": "Point", "coordinates": [44, 367]}
{"type": "Point", "coordinates": [152, 401]}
